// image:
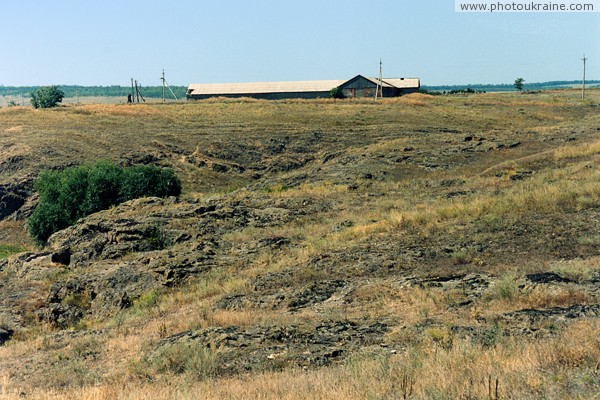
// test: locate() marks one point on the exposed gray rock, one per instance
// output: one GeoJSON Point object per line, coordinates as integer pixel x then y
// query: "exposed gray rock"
{"type": "Point", "coordinates": [99, 238]}
{"type": "Point", "coordinates": [107, 260]}
{"type": "Point", "coordinates": [572, 312]}
{"type": "Point", "coordinates": [13, 196]}
{"type": "Point", "coordinates": [314, 293]}
{"type": "Point", "coordinates": [547, 277]}
{"type": "Point", "coordinates": [61, 315]}
{"type": "Point", "coordinates": [256, 348]}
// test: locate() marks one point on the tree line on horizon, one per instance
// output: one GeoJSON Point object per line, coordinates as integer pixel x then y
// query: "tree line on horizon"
{"type": "Point", "coordinates": [505, 87]}
{"type": "Point", "coordinates": [95, 91]}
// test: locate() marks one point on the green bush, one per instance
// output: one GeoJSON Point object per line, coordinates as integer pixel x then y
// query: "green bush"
{"type": "Point", "coordinates": [148, 180]}
{"type": "Point", "coordinates": [66, 196]}
{"type": "Point", "coordinates": [104, 187]}
{"type": "Point", "coordinates": [336, 93]}
{"type": "Point", "coordinates": [47, 97]}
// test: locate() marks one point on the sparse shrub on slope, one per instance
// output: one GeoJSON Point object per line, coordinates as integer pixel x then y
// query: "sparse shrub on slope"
{"type": "Point", "coordinates": [69, 195]}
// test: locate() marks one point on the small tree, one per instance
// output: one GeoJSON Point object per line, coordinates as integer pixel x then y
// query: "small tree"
{"type": "Point", "coordinates": [47, 97]}
{"type": "Point", "coordinates": [336, 93]}
{"type": "Point", "coordinates": [519, 84]}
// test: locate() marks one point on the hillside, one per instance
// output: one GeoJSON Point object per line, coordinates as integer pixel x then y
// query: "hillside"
{"type": "Point", "coordinates": [416, 247]}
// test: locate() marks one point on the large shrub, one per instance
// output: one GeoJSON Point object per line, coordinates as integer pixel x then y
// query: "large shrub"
{"type": "Point", "coordinates": [66, 196]}
{"type": "Point", "coordinates": [47, 97]}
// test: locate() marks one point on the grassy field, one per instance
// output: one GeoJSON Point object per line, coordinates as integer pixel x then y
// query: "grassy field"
{"type": "Point", "coordinates": [465, 226]}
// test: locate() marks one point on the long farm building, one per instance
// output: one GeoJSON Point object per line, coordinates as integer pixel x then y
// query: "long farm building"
{"type": "Point", "coordinates": [357, 87]}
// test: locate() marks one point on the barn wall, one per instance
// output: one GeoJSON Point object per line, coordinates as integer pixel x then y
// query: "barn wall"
{"type": "Point", "coordinates": [390, 92]}
{"type": "Point", "coordinates": [368, 92]}
{"type": "Point", "coordinates": [358, 87]}
{"type": "Point", "coordinates": [407, 91]}
{"type": "Point", "coordinates": [351, 93]}
{"type": "Point", "coordinates": [265, 96]}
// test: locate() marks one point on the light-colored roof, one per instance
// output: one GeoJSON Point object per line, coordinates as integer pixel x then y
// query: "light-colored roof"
{"type": "Point", "coordinates": [289, 87]}
{"type": "Point", "coordinates": [262, 87]}
{"type": "Point", "coordinates": [403, 83]}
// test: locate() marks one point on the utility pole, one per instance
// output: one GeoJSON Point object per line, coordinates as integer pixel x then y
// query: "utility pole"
{"type": "Point", "coordinates": [584, 59]}
{"type": "Point", "coordinates": [165, 85]}
{"type": "Point", "coordinates": [381, 77]}
{"type": "Point", "coordinates": [380, 81]}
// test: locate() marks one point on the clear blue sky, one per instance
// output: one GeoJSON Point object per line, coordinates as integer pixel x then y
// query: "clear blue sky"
{"type": "Point", "coordinates": [200, 41]}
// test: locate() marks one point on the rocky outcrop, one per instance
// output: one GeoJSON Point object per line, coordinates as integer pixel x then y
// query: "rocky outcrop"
{"type": "Point", "coordinates": [298, 345]}
{"type": "Point", "coordinates": [13, 196]}
{"type": "Point", "coordinates": [107, 260]}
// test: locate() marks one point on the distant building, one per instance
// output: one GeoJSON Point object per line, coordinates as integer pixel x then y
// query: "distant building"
{"type": "Point", "coordinates": [357, 87]}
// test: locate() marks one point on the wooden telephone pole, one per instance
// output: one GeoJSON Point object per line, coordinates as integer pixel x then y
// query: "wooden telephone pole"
{"type": "Point", "coordinates": [380, 81]}
{"type": "Point", "coordinates": [136, 92]}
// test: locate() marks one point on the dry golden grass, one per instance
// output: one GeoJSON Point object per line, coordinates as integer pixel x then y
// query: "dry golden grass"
{"type": "Point", "coordinates": [578, 270]}
{"type": "Point", "coordinates": [415, 99]}
{"type": "Point", "coordinates": [508, 294]}
{"type": "Point", "coordinates": [577, 151]}
{"type": "Point", "coordinates": [125, 110]}
{"type": "Point", "coordinates": [416, 305]}
{"type": "Point", "coordinates": [15, 235]}
{"type": "Point", "coordinates": [548, 193]}
{"type": "Point", "coordinates": [562, 367]}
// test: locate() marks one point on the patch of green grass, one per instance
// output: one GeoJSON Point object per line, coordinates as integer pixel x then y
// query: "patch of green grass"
{"type": "Point", "coordinates": [507, 288]}
{"type": "Point", "coordinates": [192, 359]}
{"type": "Point", "coordinates": [82, 300]}
{"type": "Point", "coordinates": [148, 300]}
{"type": "Point", "coordinates": [7, 250]}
